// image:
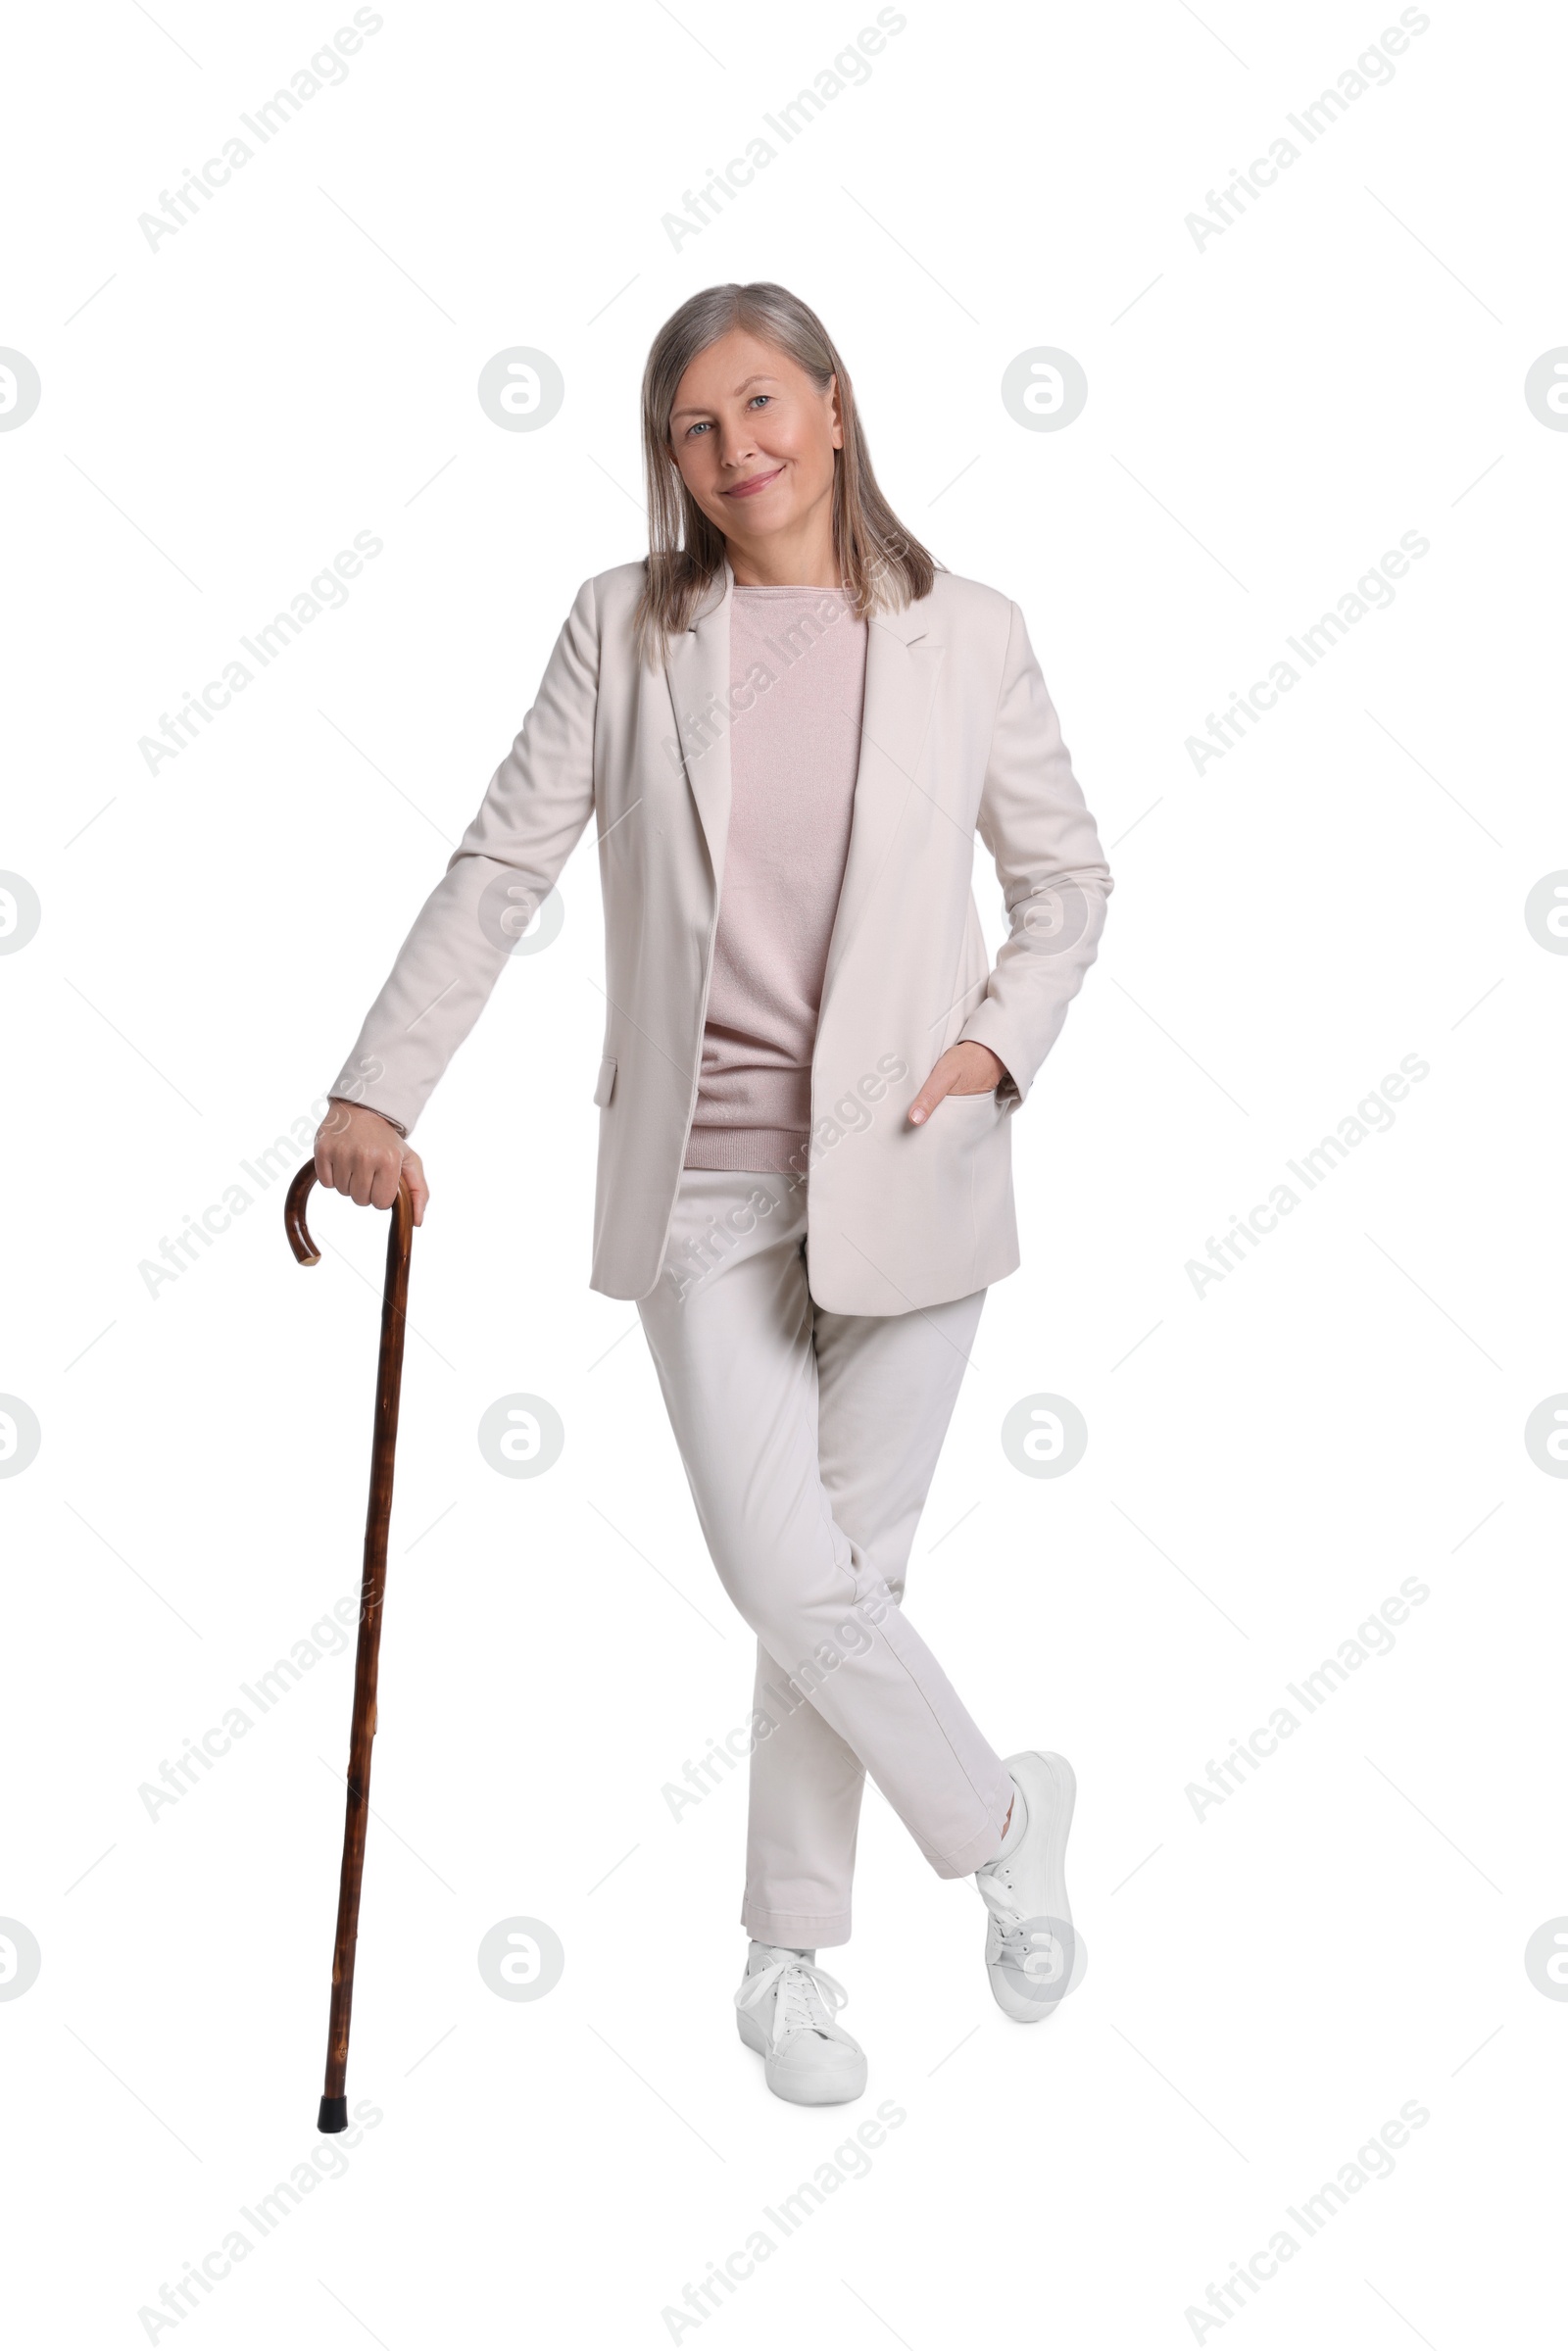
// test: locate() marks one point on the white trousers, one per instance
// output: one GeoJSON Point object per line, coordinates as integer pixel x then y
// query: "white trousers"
{"type": "Point", "coordinates": [809, 1439]}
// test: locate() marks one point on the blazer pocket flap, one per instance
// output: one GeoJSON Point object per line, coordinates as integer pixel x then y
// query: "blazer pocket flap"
{"type": "Point", "coordinates": [607, 1081]}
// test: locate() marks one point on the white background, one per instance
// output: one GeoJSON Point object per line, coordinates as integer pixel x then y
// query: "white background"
{"type": "Point", "coordinates": [1267, 414]}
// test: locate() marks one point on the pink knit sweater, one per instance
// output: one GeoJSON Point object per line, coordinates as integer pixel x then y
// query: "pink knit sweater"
{"type": "Point", "coordinates": [796, 686]}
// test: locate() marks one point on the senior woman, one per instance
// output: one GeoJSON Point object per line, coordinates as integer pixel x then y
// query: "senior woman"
{"type": "Point", "coordinates": [787, 724]}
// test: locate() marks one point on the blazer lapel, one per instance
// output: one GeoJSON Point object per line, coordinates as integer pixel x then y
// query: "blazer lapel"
{"type": "Point", "coordinates": [903, 662]}
{"type": "Point", "coordinates": [696, 669]}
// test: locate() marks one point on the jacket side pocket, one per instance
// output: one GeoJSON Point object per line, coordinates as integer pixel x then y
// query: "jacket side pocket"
{"type": "Point", "coordinates": [607, 1081]}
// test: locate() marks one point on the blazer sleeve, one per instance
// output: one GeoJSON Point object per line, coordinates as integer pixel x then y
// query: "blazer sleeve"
{"type": "Point", "coordinates": [1054, 875]}
{"type": "Point", "coordinates": [532, 817]}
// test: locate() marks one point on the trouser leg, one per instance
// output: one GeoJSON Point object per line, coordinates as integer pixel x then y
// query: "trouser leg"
{"type": "Point", "coordinates": [787, 1417]}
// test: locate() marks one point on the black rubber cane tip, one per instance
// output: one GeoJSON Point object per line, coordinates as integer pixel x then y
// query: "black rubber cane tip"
{"type": "Point", "coordinates": [335, 2114]}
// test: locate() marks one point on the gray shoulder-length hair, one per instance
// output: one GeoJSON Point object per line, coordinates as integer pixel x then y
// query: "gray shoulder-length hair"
{"type": "Point", "coordinates": [879, 562]}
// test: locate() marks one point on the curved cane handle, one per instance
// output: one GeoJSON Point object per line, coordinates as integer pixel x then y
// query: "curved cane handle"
{"type": "Point", "coordinates": [299, 1232]}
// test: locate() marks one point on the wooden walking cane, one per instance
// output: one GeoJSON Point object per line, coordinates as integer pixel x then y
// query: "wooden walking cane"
{"type": "Point", "coordinates": [334, 2108]}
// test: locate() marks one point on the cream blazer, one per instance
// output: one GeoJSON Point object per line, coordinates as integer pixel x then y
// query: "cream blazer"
{"type": "Point", "coordinates": [958, 736]}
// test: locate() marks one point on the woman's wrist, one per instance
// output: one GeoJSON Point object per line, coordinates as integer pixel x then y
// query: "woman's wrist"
{"type": "Point", "coordinates": [395, 1124]}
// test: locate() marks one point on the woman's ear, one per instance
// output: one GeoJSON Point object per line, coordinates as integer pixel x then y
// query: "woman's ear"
{"type": "Point", "coordinates": [837, 418]}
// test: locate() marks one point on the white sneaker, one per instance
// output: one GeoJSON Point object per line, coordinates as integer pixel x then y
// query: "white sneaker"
{"type": "Point", "coordinates": [785, 2009]}
{"type": "Point", "coordinates": [1032, 1957]}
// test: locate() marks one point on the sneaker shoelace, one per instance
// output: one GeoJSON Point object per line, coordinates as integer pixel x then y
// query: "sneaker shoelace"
{"type": "Point", "coordinates": [807, 1998]}
{"type": "Point", "coordinates": [1035, 1956]}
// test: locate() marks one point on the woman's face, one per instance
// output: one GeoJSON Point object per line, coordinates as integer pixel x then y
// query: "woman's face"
{"type": "Point", "coordinates": [754, 439]}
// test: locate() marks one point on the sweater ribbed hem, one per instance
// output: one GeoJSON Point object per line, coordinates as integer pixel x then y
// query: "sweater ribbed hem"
{"type": "Point", "coordinates": [749, 1150]}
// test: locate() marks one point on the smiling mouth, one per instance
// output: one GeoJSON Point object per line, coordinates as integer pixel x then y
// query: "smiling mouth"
{"type": "Point", "coordinates": [754, 482]}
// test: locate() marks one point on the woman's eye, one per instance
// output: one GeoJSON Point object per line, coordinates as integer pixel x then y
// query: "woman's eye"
{"type": "Point", "coordinates": [703, 425]}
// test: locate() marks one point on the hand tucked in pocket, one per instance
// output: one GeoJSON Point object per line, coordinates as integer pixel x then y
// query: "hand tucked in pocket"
{"type": "Point", "coordinates": [965, 1068]}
